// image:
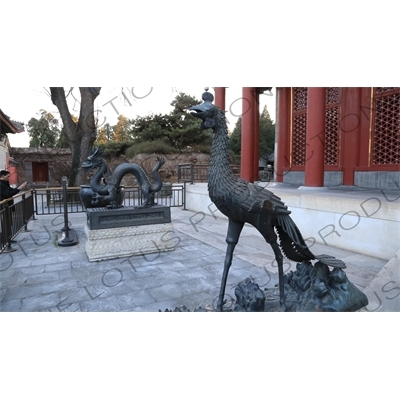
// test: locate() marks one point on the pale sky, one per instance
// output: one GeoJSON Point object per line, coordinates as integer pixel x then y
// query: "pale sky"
{"type": "Point", "coordinates": [22, 104]}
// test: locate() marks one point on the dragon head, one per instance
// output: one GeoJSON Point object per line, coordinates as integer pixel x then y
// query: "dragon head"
{"type": "Point", "coordinates": [93, 161]}
{"type": "Point", "coordinates": [207, 112]}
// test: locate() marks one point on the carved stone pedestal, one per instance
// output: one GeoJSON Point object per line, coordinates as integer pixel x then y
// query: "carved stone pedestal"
{"type": "Point", "coordinates": [126, 241]}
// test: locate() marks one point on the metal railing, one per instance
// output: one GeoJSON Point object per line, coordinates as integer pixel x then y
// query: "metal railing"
{"type": "Point", "coordinates": [173, 196]}
{"type": "Point", "coordinates": [14, 218]}
{"type": "Point", "coordinates": [266, 174]}
{"type": "Point", "coordinates": [50, 200]}
{"type": "Point", "coordinates": [198, 172]}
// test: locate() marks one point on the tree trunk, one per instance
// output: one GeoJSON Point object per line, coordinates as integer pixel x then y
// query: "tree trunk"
{"type": "Point", "coordinates": [80, 136]}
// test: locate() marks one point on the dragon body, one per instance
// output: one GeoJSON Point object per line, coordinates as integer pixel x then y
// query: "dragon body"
{"type": "Point", "coordinates": [105, 186]}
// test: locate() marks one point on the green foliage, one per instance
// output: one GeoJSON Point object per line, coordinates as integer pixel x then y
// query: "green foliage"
{"type": "Point", "coordinates": [116, 133]}
{"type": "Point", "coordinates": [236, 137]}
{"type": "Point", "coordinates": [201, 148]}
{"type": "Point", "coordinates": [62, 141]}
{"type": "Point", "coordinates": [155, 146]}
{"type": "Point", "coordinates": [114, 149]}
{"type": "Point", "coordinates": [156, 133]}
{"type": "Point", "coordinates": [43, 132]}
{"type": "Point", "coordinates": [105, 134]}
{"type": "Point", "coordinates": [151, 128]}
{"type": "Point", "coordinates": [182, 103]}
{"type": "Point", "coordinates": [267, 135]}
{"type": "Point", "coordinates": [233, 158]}
{"type": "Point", "coordinates": [177, 128]}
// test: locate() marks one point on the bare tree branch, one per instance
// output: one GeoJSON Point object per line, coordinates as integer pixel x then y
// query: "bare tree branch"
{"type": "Point", "coordinates": [59, 100]}
{"type": "Point", "coordinates": [80, 135]}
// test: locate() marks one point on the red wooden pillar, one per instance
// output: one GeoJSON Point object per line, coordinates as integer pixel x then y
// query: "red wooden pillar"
{"type": "Point", "coordinates": [283, 119]}
{"type": "Point", "coordinates": [350, 132]}
{"type": "Point", "coordinates": [315, 137]}
{"type": "Point", "coordinates": [247, 151]}
{"type": "Point", "coordinates": [220, 97]}
{"type": "Point", "coordinates": [256, 146]}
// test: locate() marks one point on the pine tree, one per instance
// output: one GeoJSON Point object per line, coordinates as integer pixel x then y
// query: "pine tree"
{"type": "Point", "coordinates": [267, 134]}
{"type": "Point", "coordinates": [236, 137]}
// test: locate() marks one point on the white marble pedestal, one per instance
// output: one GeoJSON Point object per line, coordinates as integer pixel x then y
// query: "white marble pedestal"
{"type": "Point", "coordinates": [105, 244]}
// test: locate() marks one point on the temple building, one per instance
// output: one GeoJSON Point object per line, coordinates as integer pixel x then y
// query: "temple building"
{"type": "Point", "coordinates": [327, 136]}
{"type": "Point", "coordinates": [6, 162]}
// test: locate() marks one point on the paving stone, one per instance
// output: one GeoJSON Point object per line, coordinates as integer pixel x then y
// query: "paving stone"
{"type": "Point", "coordinates": [6, 275]}
{"type": "Point", "coordinates": [7, 260]}
{"type": "Point", "coordinates": [173, 266]}
{"type": "Point", "coordinates": [195, 286]}
{"type": "Point", "coordinates": [65, 306]}
{"type": "Point", "coordinates": [40, 302]}
{"type": "Point", "coordinates": [167, 292]}
{"type": "Point", "coordinates": [20, 292]}
{"type": "Point", "coordinates": [204, 272]}
{"type": "Point", "coordinates": [162, 305]}
{"type": "Point", "coordinates": [57, 267]}
{"type": "Point", "coordinates": [203, 299]}
{"type": "Point", "coordinates": [169, 277]}
{"type": "Point", "coordinates": [93, 292]}
{"type": "Point", "coordinates": [40, 276]}
{"type": "Point", "coordinates": [33, 278]}
{"type": "Point", "coordinates": [77, 295]}
{"type": "Point", "coordinates": [135, 299]}
{"type": "Point", "coordinates": [109, 304]}
{"type": "Point", "coordinates": [58, 286]}
{"type": "Point", "coordinates": [31, 269]}
{"type": "Point", "coordinates": [2, 294]}
{"type": "Point", "coordinates": [11, 305]}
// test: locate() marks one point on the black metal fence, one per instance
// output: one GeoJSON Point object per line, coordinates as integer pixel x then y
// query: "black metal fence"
{"type": "Point", "coordinates": [199, 172]}
{"type": "Point", "coordinates": [171, 196]}
{"type": "Point", "coordinates": [50, 200]}
{"type": "Point", "coordinates": [15, 217]}
{"type": "Point", "coordinates": [15, 214]}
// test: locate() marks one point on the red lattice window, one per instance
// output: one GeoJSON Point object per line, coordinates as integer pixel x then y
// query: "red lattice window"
{"type": "Point", "coordinates": [385, 89]}
{"type": "Point", "coordinates": [299, 139]}
{"type": "Point", "coordinates": [299, 99]}
{"type": "Point", "coordinates": [332, 95]}
{"type": "Point", "coordinates": [332, 126]}
{"type": "Point", "coordinates": [299, 126]}
{"type": "Point", "coordinates": [386, 133]}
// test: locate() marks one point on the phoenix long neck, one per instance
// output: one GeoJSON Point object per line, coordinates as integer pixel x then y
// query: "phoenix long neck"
{"type": "Point", "coordinates": [220, 177]}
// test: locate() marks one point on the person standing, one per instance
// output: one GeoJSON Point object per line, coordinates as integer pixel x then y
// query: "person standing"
{"type": "Point", "coordinates": [6, 191]}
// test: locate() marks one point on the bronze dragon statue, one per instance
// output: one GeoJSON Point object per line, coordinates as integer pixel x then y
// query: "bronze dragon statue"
{"type": "Point", "coordinates": [105, 186]}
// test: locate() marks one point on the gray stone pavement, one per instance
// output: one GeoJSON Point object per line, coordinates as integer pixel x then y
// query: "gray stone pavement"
{"type": "Point", "coordinates": [41, 276]}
